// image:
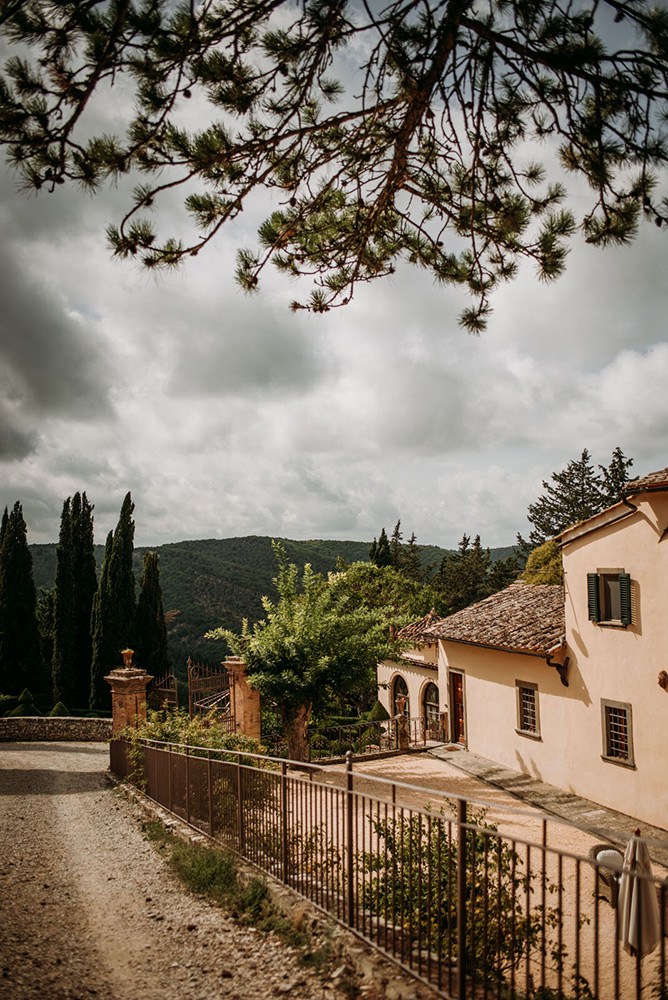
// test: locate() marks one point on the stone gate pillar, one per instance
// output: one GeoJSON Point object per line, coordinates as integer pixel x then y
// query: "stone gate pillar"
{"type": "Point", "coordinates": [246, 701]}
{"type": "Point", "coordinates": [128, 693]}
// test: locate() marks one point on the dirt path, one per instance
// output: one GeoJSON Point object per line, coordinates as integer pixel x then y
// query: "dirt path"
{"type": "Point", "coordinates": [88, 909]}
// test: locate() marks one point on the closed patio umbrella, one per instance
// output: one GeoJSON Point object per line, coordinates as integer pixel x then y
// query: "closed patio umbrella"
{"type": "Point", "coordinates": [639, 923]}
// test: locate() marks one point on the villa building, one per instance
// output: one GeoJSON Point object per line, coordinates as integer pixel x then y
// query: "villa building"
{"type": "Point", "coordinates": [568, 684]}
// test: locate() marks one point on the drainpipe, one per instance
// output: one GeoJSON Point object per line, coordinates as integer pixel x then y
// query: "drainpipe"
{"type": "Point", "coordinates": [561, 668]}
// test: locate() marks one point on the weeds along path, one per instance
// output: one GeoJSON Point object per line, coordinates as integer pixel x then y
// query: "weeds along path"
{"type": "Point", "coordinates": [89, 909]}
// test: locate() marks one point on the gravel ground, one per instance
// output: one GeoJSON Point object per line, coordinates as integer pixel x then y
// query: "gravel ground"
{"type": "Point", "coordinates": [89, 909]}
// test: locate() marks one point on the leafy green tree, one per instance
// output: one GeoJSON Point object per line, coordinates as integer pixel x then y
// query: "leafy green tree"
{"type": "Point", "coordinates": [576, 493]}
{"type": "Point", "coordinates": [544, 564]}
{"type": "Point", "coordinates": [113, 613]}
{"type": "Point", "coordinates": [151, 631]}
{"type": "Point", "coordinates": [20, 656]}
{"type": "Point", "coordinates": [424, 160]}
{"type": "Point", "coordinates": [312, 643]}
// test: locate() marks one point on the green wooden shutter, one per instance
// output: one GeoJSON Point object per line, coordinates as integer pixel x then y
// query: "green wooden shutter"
{"type": "Point", "coordinates": [625, 598]}
{"type": "Point", "coordinates": [593, 597]}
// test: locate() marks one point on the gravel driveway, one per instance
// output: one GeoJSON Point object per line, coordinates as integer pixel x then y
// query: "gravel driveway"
{"type": "Point", "coordinates": [89, 909]}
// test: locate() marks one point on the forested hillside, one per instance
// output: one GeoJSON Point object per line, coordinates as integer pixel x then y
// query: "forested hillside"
{"type": "Point", "coordinates": [219, 581]}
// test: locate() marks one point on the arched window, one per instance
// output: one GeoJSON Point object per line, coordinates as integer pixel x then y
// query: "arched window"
{"type": "Point", "coordinates": [431, 708]}
{"type": "Point", "coordinates": [399, 692]}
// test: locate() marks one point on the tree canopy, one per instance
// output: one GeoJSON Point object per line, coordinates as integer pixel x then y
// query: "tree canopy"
{"type": "Point", "coordinates": [575, 493]}
{"type": "Point", "coordinates": [321, 638]}
{"type": "Point", "coordinates": [457, 124]}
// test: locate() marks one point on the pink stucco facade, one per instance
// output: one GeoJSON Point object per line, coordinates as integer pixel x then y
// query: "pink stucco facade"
{"type": "Point", "coordinates": [604, 735]}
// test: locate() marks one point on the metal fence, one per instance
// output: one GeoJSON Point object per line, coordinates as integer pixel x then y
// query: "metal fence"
{"type": "Point", "coordinates": [474, 910]}
{"type": "Point", "coordinates": [361, 738]}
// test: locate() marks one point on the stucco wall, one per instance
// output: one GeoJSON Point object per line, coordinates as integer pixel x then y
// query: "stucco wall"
{"type": "Point", "coordinates": [622, 664]}
{"type": "Point", "coordinates": [31, 728]}
{"type": "Point", "coordinates": [416, 679]}
{"type": "Point", "coordinates": [605, 662]}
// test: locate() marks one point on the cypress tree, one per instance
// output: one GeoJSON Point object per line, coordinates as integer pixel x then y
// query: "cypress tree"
{"type": "Point", "coordinates": [85, 586]}
{"type": "Point", "coordinates": [113, 612]}
{"type": "Point", "coordinates": [103, 657]}
{"type": "Point", "coordinates": [379, 553]}
{"type": "Point", "coordinates": [20, 658]}
{"type": "Point", "coordinates": [151, 630]}
{"type": "Point", "coordinates": [396, 548]}
{"type": "Point", "coordinates": [76, 583]}
{"type": "Point", "coordinates": [62, 666]}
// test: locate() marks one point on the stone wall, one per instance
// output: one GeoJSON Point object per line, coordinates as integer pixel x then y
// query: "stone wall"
{"type": "Point", "coordinates": [23, 729]}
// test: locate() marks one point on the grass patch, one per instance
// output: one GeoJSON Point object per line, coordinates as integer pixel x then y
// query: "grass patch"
{"type": "Point", "coordinates": [213, 872]}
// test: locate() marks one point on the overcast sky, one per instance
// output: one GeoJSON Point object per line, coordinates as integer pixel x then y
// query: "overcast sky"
{"type": "Point", "coordinates": [228, 415]}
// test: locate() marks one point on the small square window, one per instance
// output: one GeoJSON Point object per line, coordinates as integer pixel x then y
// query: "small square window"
{"type": "Point", "coordinates": [617, 732]}
{"type": "Point", "coordinates": [528, 723]}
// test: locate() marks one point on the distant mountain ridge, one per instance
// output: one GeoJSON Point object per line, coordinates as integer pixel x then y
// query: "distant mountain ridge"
{"type": "Point", "coordinates": [221, 581]}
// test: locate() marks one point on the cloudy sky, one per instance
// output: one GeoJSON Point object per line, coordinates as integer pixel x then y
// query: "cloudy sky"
{"type": "Point", "coordinates": [228, 415]}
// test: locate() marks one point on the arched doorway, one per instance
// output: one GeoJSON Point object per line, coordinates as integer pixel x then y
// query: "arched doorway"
{"type": "Point", "coordinates": [399, 692]}
{"type": "Point", "coordinates": [431, 712]}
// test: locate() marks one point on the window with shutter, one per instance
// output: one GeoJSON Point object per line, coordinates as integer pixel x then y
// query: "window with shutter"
{"type": "Point", "coordinates": [593, 597]}
{"type": "Point", "coordinates": [609, 597]}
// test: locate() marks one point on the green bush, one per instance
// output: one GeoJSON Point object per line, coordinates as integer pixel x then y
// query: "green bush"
{"type": "Point", "coordinates": [25, 707]}
{"type": "Point", "coordinates": [59, 710]}
{"type": "Point", "coordinates": [203, 732]}
{"type": "Point", "coordinates": [378, 713]}
{"type": "Point", "coordinates": [7, 703]}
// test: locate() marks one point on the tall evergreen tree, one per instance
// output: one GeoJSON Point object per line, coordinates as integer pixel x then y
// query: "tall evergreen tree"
{"type": "Point", "coordinates": [463, 575]}
{"type": "Point", "coordinates": [85, 586]}
{"type": "Point", "coordinates": [151, 631]}
{"type": "Point", "coordinates": [396, 547]}
{"type": "Point", "coordinates": [75, 588]}
{"type": "Point", "coordinates": [20, 657]}
{"type": "Point", "coordinates": [379, 553]}
{"type": "Point", "coordinates": [113, 614]}
{"type": "Point", "coordinates": [62, 667]}
{"type": "Point", "coordinates": [45, 603]}
{"type": "Point", "coordinates": [411, 563]}
{"type": "Point", "coordinates": [104, 655]}
{"type": "Point", "coordinates": [615, 477]}
{"type": "Point", "coordinates": [576, 493]}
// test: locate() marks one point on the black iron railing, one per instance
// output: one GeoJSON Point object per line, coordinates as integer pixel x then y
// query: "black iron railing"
{"type": "Point", "coordinates": [361, 738]}
{"type": "Point", "coordinates": [475, 911]}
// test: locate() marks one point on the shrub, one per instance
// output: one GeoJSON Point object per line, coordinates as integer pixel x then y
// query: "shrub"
{"type": "Point", "coordinates": [25, 707]}
{"type": "Point", "coordinates": [59, 710]}
{"type": "Point", "coordinates": [378, 713]}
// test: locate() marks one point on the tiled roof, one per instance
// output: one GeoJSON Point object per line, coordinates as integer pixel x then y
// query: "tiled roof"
{"type": "Point", "coordinates": [416, 630]}
{"type": "Point", "coordinates": [525, 617]}
{"type": "Point", "coordinates": [654, 481]}
{"type": "Point", "coordinates": [417, 661]}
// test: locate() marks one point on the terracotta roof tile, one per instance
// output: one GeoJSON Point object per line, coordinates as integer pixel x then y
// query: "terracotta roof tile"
{"type": "Point", "coordinates": [417, 661]}
{"type": "Point", "coordinates": [654, 481]}
{"type": "Point", "coordinates": [416, 630]}
{"type": "Point", "coordinates": [525, 617]}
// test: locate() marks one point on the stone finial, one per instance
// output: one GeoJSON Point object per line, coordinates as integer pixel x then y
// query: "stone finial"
{"type": "Point", "coordinates": [128, 693]}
